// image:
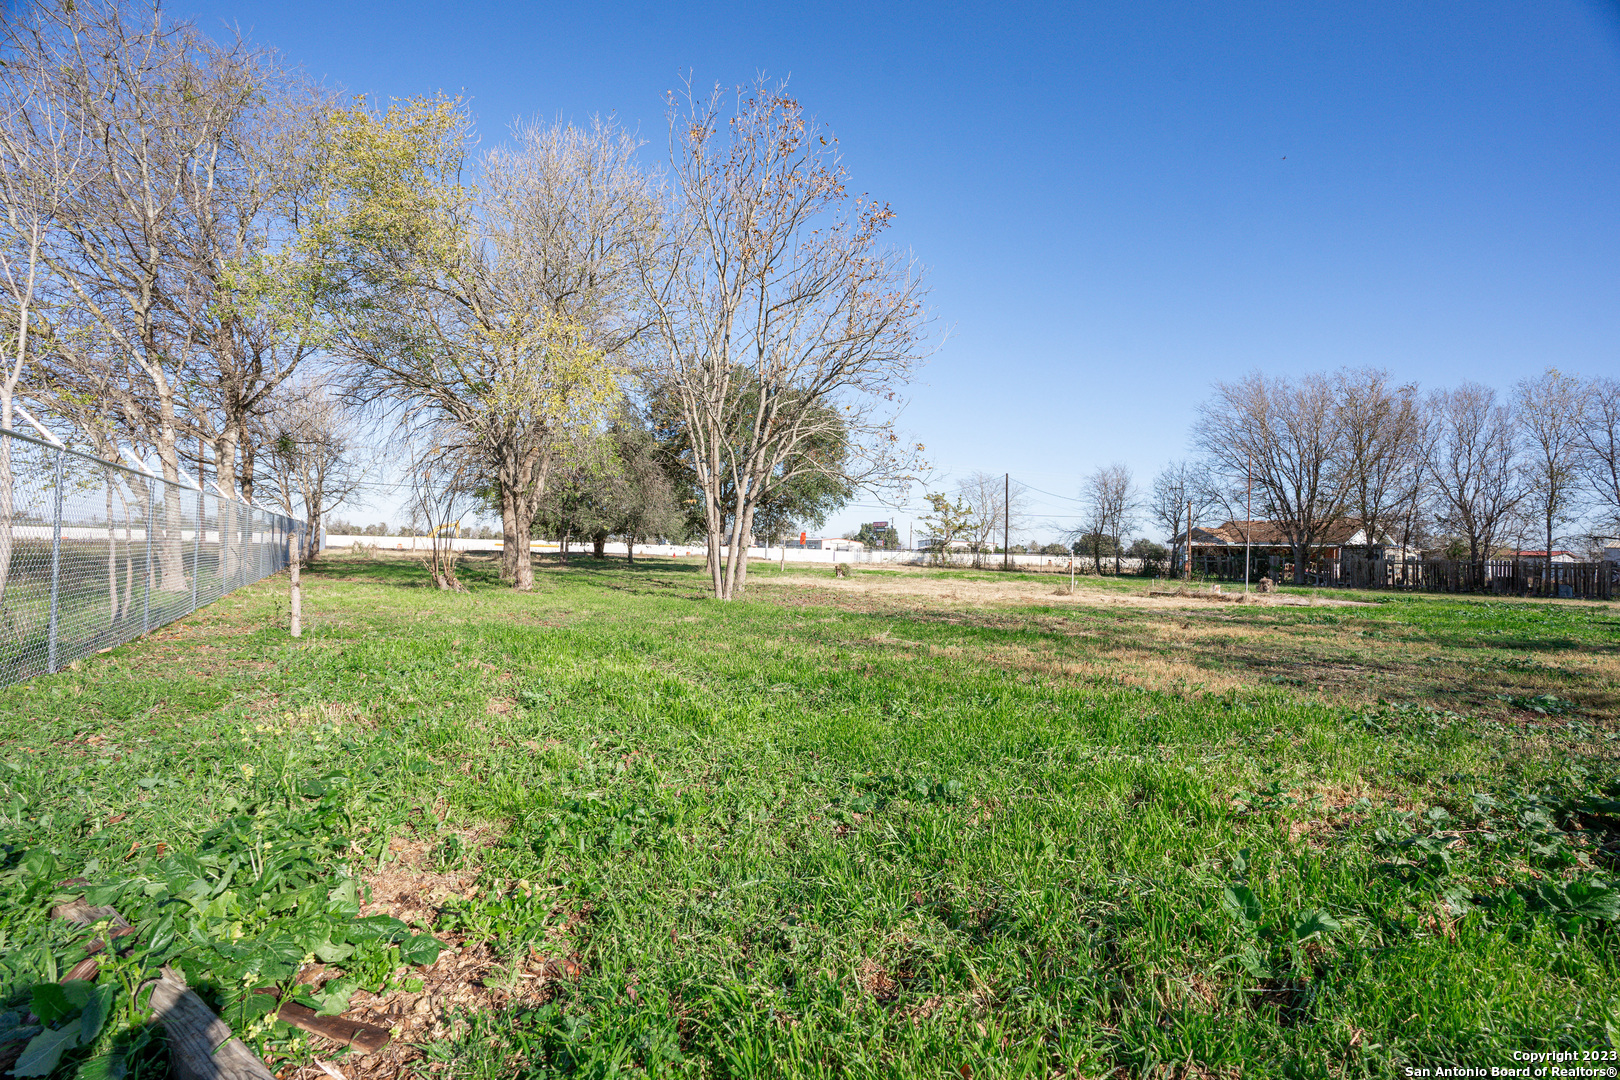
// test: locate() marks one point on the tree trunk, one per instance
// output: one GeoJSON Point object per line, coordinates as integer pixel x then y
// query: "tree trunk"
{"type": "Point", "coordinates": [599, 544]}
{"type": "Point", "coordinates": [6, 505]}
{"type": "Point", "coordinates": [170, 565]}
{"type": "Point", "coordinates": [712, 539]}
{"type": "Point", "coordinates": [740, 574]}
{"type": "Point", "coordinates": [296, 600]}
{"type": "Point", "coordinates": [630, 549]}
{"type": "Point", "coordinates": [1299, 563]}
{"type": "Point", "coordinates": [509, 536]}
{"type": "Point", "coordinates": [1546, 579]}
{"type": "Point", "coordinates": [521, 529]}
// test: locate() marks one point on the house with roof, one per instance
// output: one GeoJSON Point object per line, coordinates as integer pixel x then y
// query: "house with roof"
{"type": "Point", "coordinates": [1270, 538]}
{"type": "Point", "coordinates": [1221, 549]}
{"type": "Point", "coordinates": [1539, 557]}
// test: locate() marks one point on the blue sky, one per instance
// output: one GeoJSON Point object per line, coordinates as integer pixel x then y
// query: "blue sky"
{"type": "Point", "coordinates": [1120, 203]}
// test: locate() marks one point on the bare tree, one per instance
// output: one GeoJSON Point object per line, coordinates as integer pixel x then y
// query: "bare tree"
{"type": "Point", "coordinates": [1111, 504]}
{"type": "Point", "coordinates": [1179, 485]}
{"type": "Point", "coordinates": [443, 491]}
{"type": "Point", "coordinates": [1384, 448]}
{"type": "Point", "coordinates": [1291, 433]}
{"type": "Point", "coordinates": [1600, 445]}
{"type": "Point", "coordinates": [1475, 466]}
{"type": "Point", "coordinates": [1549, 412]}
{"type": "Point", "coordinates": [496, 320]}
{"type": "Point", "coordinates": [948, 524]}
{"type": "Point", "coordinates": [313, 461]}
{"type": "Point", "coordinates": [771, 279]}
{"type": "Point", "coordinates": [998, 507]}
{"type": "Point", "coordinates": [41, 147]}
{"type": "Point", "coordinates": [170, 214]}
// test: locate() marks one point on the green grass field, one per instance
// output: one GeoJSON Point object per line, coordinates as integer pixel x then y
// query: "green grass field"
{"type": "Point", "coordinates": [915, 824]}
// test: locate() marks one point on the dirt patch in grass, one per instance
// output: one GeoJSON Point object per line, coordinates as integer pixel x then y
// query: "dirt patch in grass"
{"type": "Point", "coordinates": [1019, 591]}
{"type": "Point", "coordinates": [468, 974]}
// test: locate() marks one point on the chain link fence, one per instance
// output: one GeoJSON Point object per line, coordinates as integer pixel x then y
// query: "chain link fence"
{"type": "Point", "coordinates": [93, 554]}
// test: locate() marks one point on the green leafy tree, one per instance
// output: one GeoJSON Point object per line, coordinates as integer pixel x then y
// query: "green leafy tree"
{"type": "Point", "coordinates": [808, 487]}
{"type": "Point", "coordinates": [949, 523]}
{"type": "Point", "coordinates": [886, 538]}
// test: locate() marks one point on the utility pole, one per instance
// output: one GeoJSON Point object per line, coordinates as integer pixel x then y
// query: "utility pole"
{"type": "Point", "coordinates": [1006, 521]}
{"type": "Point", "coordinates": [1248, 524]}
{"type": "Point", "coordinates": [1186, 563]}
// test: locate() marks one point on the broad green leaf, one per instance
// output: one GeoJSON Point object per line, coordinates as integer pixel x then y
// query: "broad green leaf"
{"type": "Point", "coordinates": [419, 950]}
{"type": "Point", "coordinates": [1314, 922]}
{"type": "Point", "coordinates": [95, 1013]}
{"type": "Point", "coordinates": [345, 899]}
{"type": "Point", "coordinates": [334, 996]}
{"type": "Point", "coordinates": [39, 865]}
{"type": "Point", "coordinates": [1592, 901]}
{"type": "Point", "coordinates": [44, 1051]}
{"type": "Point", "coordinates": [333, 952]}
{"type": "Point", "coordinates": [1240, 902]}
{"type": "Point", "coordinates": [57, 1001]}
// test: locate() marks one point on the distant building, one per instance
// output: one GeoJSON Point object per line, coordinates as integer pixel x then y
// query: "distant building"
{"type": "Point", "coordinates": [829, 543]}
{"type": "Point", "coordinates": [1541, 556]}
{"type": "Point", "coordinates": [1266, 538]}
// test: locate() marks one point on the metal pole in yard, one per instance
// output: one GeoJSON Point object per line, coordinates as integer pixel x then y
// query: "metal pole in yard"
{"type": "Point", "coordinates": [196, 542]}
{"type": "Point", "coordinates": [56, 566]}
{"type": "Point", "coordinates": [1248, 524]}
{"type": "Point", "coordinates": [146, 603]}
{"type": "Point", "coordinates": [1006, 521]}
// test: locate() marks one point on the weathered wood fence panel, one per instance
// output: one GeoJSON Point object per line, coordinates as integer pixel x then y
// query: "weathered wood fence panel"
{"type": "Point", "coordinates": [1501, 577]}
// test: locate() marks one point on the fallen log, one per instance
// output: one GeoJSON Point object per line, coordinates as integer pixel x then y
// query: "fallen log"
{"type": "Point", "coordinates": [201, 1045]}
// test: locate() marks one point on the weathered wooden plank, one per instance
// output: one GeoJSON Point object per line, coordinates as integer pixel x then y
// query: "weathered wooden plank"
{"type": "Point", "coordinates": [366, 1038]}
{"type": "Point", "coordinates": [201, 1046]}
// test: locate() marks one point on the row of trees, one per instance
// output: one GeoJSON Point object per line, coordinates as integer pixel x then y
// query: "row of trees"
{"type": "Point", "coordinates": [1464, 471]}
{"type": "Point", "coordinates": [1461, 472]}
{"type": "Point", "coordinates": [211, 258]}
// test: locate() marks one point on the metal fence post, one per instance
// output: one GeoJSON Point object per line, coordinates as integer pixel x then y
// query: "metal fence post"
{"type": "Point", "coordinates": [146, 604]}
{"type": "Point", "coordinates": [196, 544]}
{"type": "Point", "coordinates": [56, 566]}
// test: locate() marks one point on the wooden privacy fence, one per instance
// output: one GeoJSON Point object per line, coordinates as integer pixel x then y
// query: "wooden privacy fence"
{"type": "Point", "coordinates": [1503, 577]}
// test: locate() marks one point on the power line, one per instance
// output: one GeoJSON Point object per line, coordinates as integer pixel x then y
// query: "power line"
{"type": "Point", "coordinates": [1055, 495]}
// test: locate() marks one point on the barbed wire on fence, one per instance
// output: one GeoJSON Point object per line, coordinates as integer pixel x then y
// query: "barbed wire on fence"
{"type": "Point", "coordinates": [94, 554]}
